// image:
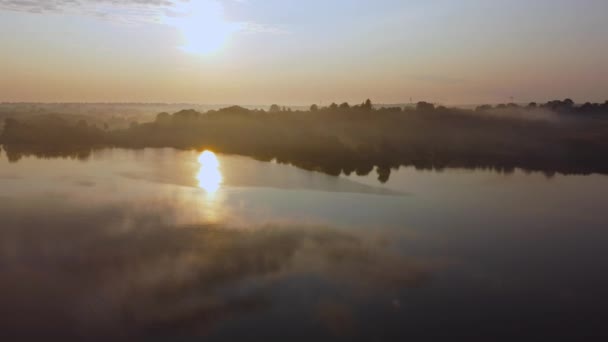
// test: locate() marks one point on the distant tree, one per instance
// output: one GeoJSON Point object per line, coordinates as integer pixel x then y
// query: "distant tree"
{"type": "Point", "coordinates": [186, 116]}
{"type": "Point", "coordinates": [384, 174]}
{"type": "Point", "coordinates": [587, 107]}
{"type": "Point", "coordinates": [425, 106]}
{"type": "Point", "coordinates": [345, 106]}
{"type": "Point", "coordinates": [274, 108]}
{"type": "Point", "coordinates": [532, 105]}
{"type": "Point", "coordinates": [163, 118]}
{"type": "Point", "coordinates": [557, 105]}
{"type": "Point", "coordinates": [314, 108]}
{"type": "Point", "coordinates": [483, 108]}
{"type": "Point", "coordinates": [367, 105]}
{"type": "Point", "coordinates": [333, 106]}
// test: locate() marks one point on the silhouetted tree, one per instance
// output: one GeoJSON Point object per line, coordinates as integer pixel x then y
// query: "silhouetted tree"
{"type": "Point", "coordinates": [425, 106]}
{"type": "Point", "coordinates": [345, 106]}
{"type": "Point", "coordinates": [483, 108]}
{"type": "Point", "coordinates": [384, 174]}
{"type": "Point", "coordinates": [367, 105]}
{"type": "Point", "coordinates": [314, 108]}
{"type": "Point", "coordinates": [587, 107]}
{"type": "Point", "coordinates": [274, 108]}
{"type": "Point", "coordinates": [447, 137]}
{"type": "Point", "coordinates": [163, 118]}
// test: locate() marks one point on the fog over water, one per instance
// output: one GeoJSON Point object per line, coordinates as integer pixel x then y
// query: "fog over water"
{"type": "Point", "coordinates": [148, 243]}
{"type": "Point", "coordinates": [272, 170]}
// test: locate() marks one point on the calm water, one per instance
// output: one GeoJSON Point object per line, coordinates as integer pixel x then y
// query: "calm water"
{"type": "Point", "coordinates": [171, 244]}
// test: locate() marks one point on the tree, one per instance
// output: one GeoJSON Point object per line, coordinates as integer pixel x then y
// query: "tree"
{"type": "Point", "coordinates": [483, 108]}
{"type": "Point", "coordinates": [274, 108]}
{"type": "Point", "coordinates": [384, 174]}
{"type": "Point", "coordinates": [163, 118]}
{"type": "Point", "coordinates": [345, 106]}
{"type": "Point", "coordinates": [333, 106]}
{"type": "Point", "coordinates": [314, 108]}
{"type": "Point", "coordinates": [367, 105]}
{"type": "Point", "coordinates": [425, 106]}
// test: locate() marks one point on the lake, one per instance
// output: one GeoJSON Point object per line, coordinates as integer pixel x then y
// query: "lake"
{"type": "Point", "coordinates": [168, 244]}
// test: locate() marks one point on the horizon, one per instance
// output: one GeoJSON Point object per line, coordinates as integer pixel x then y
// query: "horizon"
{"type": "Point", "coordinates": [303, 170]}
{"type": "Point", "coordinates": [302, 105]}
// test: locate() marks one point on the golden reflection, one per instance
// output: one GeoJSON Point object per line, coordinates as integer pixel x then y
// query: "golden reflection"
{"type": "Point", "coordinates": [209, 176]}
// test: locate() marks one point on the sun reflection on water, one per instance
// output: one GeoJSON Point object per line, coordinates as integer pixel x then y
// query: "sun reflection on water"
{"type": "Point", "coordinates": [209, 176]}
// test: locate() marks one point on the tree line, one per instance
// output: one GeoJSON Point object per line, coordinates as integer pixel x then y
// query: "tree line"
{"type": "Point", "coordinates": [345, 139]}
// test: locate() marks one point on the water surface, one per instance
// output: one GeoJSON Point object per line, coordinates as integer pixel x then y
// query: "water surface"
{"type": "Point", "coordinates": [163, 243]}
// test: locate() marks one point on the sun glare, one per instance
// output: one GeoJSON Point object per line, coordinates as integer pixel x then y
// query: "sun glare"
{"type": "Point", "coordinates": [202, 26]}
{"type": "Point", "coordinates": [209, 176]}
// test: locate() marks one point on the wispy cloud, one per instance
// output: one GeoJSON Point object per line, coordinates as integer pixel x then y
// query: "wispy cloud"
{"type": "Point", "coordinates": [40, 6]}
{"type": "Point", "coordinates": [126, 11]}
{"type": "Point", "coordinates": [119, 10]}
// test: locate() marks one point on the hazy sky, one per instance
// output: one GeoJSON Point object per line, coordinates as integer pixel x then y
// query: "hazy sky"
{"type": "Point", "coordinates": [303, 51]}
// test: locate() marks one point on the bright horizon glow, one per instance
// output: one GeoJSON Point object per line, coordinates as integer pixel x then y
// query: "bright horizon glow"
{"type": "Point", "coordinates": [202, 26]}
{"type": "Point", "coordinates": [259, 52]}
{"type": "Point", "coordinates": [209, 176]}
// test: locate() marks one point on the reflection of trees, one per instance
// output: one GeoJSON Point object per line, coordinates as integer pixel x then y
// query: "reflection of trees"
{"type": "Point", "coordinates": [342, 139]}
{"type": "Point", "coordinates": [156, 280]}
{"type": "Point", "coordinates": [14, 153]}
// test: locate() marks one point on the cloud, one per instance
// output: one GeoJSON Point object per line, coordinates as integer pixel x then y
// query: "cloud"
{"type": "Point", "coordinates": [130, 11]}
{"type": "Point", "coordinates": [116, 10]}
{"type": "Point", "coordinates": [39, 6]}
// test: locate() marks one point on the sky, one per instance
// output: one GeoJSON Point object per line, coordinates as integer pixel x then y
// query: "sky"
{"type": "Point", "coordinates": [303, 51]}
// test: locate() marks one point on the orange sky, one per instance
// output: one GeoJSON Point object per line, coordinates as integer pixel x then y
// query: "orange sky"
{"type": "Point", "coordinates": [294, 52]}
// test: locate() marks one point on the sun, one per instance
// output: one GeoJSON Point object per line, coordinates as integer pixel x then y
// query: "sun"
{"type": "Point", "coordinates": [209, 176]}
{"type": "Point", "coordinates": [202, 26]}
